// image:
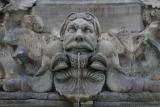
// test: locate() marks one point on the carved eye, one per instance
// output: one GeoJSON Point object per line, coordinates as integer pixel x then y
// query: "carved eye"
{"type": "Point", "coordinates": [87, 30]}
{"type": "Point", "coordinates": [72, 29]}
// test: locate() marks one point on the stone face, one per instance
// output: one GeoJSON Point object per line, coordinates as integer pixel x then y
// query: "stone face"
{"type": "Point", "coordinates": [110, 13]}
{"type": "Point", "coordinates": [78, 74]}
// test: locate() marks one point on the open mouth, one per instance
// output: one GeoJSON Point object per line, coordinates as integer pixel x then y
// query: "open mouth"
{"type": "Point", "coordinates": [78, 50]}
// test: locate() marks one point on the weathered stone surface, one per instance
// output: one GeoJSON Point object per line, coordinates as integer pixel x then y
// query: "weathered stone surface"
{"type": "Point", "coordinates": [29, 95]}
{"type": "Point", "coordinates": [85, 1]}
{"type": "Point", "coordinates": [127, 97]}
{"type": "Point", "coordinates": [110, 99]}
{"type": "Point", "coordinates": [80, 63]}
{"type": "Point", "coordinates": [8, 68]}
{"type": "Point", "coordinates": [126, 104]}
{"type": "Point", "coordinates": [111, 14]}
{"type": "Point", "coordinates": [29, 99]}
{"type": "Point", "coordinates": [34, 103]}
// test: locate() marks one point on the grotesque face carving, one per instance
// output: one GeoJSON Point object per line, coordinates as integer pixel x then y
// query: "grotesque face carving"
{"type": "Point", "coordinates": [80, 33]}
{"type": "Point", "coordinates": [80, 36]}
{"type": "Point", "coordinates": [77, 72]}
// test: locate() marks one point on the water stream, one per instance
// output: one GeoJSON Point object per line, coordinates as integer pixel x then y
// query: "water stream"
{"type": "Point", "coordinates": [78, 81]}
{"type": "Point", "coordinates": [132, 62]}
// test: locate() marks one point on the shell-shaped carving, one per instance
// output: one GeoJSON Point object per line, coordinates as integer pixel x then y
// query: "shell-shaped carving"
{"type": "Point", "coordinates": [88, 83]}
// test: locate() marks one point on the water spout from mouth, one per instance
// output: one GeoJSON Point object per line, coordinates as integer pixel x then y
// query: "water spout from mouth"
{"type": "Point", "coordinates": [78, 83]}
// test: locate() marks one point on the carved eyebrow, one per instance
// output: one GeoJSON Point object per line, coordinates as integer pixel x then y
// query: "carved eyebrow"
{"type": "Point", "coordinates": [88, 26]}
{"type": "Point", "coordinates": [82, 26]}
{"type": "Point", "coordinates": [73, 24]}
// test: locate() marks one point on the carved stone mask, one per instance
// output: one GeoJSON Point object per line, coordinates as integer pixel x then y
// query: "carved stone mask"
{"type": "Point", "coordinates": [80, 33]}
{"type": "Point", "coordinates": [77, 73]}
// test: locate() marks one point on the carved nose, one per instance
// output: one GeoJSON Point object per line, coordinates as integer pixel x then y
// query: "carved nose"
{"type": "Point", "coordinates": [79, 38]}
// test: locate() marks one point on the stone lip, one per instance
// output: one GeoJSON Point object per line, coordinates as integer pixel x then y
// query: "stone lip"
{"type": "Point", "coordinates": [48, 2]}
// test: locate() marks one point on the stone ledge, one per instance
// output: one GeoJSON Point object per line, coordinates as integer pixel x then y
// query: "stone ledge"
{"type": "Point", "coordinates": [128, 97]}
{"type": "Point", "coordinates": [48, 2]}
{"type": "Point", "coordinates": [29, 95]}
{"type": "Point", "coordinates": [34, 103]}
{"type": "Point", "coordinates": [126, 104]}
{"type": "Point", "coordinates": [103, 96]}
{"type": "Point", "coordinates": [30, 99]}
{"type": "Point", "coordinates": [104, 99]}
{"type": "Point", "coordinates": [113, 99]}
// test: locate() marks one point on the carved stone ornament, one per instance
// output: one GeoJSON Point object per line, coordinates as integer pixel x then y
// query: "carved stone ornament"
{"type": "Point", "coordinates": [79, 69]}
{"type": "Point", "coordinates": [81, 62]}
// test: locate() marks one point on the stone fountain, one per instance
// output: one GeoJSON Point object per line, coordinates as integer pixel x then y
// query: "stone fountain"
{"type": "Point", "coordinates": [81, 66]}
